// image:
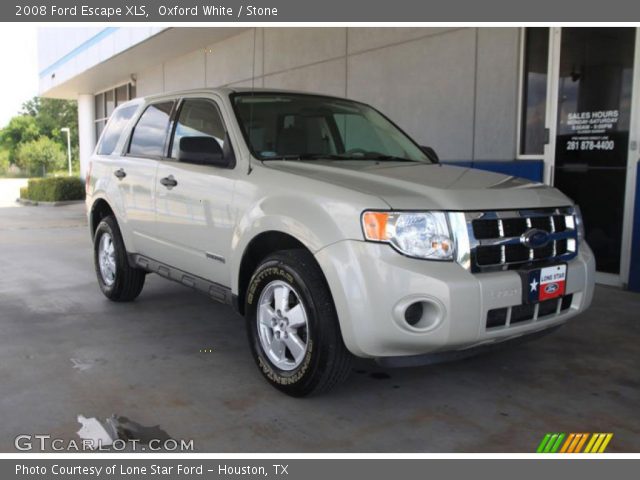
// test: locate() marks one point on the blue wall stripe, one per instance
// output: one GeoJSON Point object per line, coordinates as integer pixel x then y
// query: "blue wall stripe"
{"type": "Point", "coordinates": [634, 273]}
{"type": "Point", "coordinates": [529, 169]}
{"type": "Point", "coordinates": [79, 49]}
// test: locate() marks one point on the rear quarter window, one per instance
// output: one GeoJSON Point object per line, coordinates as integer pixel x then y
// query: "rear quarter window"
{"type": "Point", "coordinates": [114, 129]}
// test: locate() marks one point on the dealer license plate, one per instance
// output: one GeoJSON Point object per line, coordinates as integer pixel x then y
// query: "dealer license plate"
{"type": "Point", "coordinates": [544, 283]}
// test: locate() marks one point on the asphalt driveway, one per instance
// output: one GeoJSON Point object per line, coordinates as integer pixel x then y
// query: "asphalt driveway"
{"type": "Point", "coordinates": [174, 358]}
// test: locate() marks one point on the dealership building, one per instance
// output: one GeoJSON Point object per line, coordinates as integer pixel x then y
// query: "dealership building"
{"type": "Point", "coordinates": [556, 105]}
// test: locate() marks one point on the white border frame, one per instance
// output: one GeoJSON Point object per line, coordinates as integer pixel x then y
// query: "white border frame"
{"type": "Point", "coordinates": [334, 455]}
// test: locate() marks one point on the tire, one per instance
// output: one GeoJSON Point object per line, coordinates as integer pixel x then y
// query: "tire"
{"type": "Point", "coordinates": [117, 279]}
{"type": "Point", "coordinates": [278, 329]}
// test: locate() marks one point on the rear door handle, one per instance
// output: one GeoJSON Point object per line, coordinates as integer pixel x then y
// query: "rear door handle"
{"type": "Point", "coordinates": [120, 173]}
{"type": "Point", "coordinates": [169, 182]}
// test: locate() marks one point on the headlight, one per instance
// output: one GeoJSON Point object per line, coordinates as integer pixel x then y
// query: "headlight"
{"type": "Point", "coordinates": [416, 234]}
{"type": "Point", "coordinates": [579, 223]}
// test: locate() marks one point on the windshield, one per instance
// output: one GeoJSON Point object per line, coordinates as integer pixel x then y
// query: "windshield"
{"type": "Point", "coordinates": [307, 127]}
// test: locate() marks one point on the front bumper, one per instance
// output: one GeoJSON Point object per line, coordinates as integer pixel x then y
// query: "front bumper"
{"type": "Point", "coordinates": [371, 285]}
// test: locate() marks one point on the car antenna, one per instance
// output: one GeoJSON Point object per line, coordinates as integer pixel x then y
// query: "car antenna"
{"type": "Point", "coordinates": [253, 86]}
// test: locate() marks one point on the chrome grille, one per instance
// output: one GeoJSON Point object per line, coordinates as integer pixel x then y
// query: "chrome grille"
{"type": "Point", "coordinates": [496, 238]}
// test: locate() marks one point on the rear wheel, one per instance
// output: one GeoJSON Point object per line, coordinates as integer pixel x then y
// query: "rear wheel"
{"type": "Point", "coordinates": [117, 279]}
{"type": "Point", "coordinates": [293, 326]}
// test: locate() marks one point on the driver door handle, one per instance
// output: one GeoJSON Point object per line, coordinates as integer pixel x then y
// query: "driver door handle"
{"type": "Point", "coordinates": [120, 173]}
{"type": "Point", "coordinates": [169, 182]}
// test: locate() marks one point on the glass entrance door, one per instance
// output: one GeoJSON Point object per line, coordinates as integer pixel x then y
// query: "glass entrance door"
{"type": "Point", "coordinates": [594, 69]}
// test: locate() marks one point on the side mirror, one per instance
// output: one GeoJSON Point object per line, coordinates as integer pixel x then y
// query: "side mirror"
{"type": "Point", "coordinates": [202, 151]}
{"type": "Point", "coordinates": [430, 153]}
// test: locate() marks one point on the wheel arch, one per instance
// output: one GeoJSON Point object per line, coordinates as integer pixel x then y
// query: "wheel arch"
{"type": "Point", "coordinates": [99, 210]}
{"type": "Point", "coordinates": [258, 248]}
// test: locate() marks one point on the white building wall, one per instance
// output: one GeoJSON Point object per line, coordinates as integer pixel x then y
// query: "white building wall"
{"type": "Point", "coordinates": [497, 99]}
{"type": "Point", "coordinates": [426, 85]}
{"type": "Point", "coordinates": [231, 61]}
{"type": "Point", "coordinates": [452, 88]}
{"type": "Point", "coordinates": [186, 71]}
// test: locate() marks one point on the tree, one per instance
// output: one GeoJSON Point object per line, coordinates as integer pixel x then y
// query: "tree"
{"type": "Point", "coordinates": [52, 114]}
{"type": "Point", "coordinates": [40, 156]}
{"type": "Point", "coordinates": [4, 161]}
{"type": "Point", "coordinates": [40, 117]}
{"type": "Point", "coordinates": [21, 129]}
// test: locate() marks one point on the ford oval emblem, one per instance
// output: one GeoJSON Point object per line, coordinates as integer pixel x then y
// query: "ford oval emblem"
{"type": "Point", "coordinates": [535, 238]}
{"type": "Point", "coordinates": [551, 288]}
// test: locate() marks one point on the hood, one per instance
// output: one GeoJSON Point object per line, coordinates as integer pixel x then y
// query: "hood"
{"type": "Point", "coordinates": [410, 186]}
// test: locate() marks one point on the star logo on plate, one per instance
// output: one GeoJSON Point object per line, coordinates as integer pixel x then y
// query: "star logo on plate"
{"type": "Point", "coordinates": [534, 285]}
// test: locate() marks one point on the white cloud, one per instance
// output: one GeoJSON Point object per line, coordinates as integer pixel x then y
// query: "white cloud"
{"type": "Point", "coordinates": [19, 72]}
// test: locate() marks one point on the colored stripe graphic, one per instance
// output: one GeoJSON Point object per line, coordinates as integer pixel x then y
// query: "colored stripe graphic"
{"type": "Point", "coordinates": [550, 443]}
{"type": "Point", "coordinates": [553, 443]}
{"type": "Point", "coordinates": [543, 443]}
{"type": "Point", "coordinates": [581, 442]}
{"type": "Point", "coordinates": [570, 439]}
{"type": "Point", "coordinates": [576, 443]}
{"type": "Point", "coordinates": [598, 443]}
{"type": "Point", "coordinates": [591, 443]}
{"type": "Point", "coordinates": [556, 445]}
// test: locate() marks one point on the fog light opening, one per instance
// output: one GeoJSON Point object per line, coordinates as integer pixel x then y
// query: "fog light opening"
{"type": "Point", "coordinates": [422, 314]}
{"type": "Point", "coordinates": [413, 313]}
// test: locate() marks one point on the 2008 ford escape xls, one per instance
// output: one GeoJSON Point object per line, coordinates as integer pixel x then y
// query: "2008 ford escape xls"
{"type": "Point", "coordinates": [330, 230]}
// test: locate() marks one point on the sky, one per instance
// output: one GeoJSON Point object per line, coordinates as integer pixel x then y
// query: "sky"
{"type": "Point", "coordinates": [19, 73]}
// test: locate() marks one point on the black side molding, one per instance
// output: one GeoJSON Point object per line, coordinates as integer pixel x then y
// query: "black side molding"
{"type": "Point", "coordinates": [213, 290]}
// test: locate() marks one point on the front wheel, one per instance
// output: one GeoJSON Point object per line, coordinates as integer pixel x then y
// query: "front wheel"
{"type": "Point", "coordinates": [293, 326]}
{"type": "Point", "coordinates": [117, 279]}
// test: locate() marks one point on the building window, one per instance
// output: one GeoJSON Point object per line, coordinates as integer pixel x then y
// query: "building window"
{"type": "Point", "coordinates": [107, 101]}
{"type": "Point", "coordinates": [534, 91]}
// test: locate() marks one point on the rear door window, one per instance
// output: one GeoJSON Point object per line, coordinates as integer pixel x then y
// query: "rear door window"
{"type": "Point", "coordinates": [114, 129]}
{"type": "Point", "coordinates": [150, 134]}
{"type": "Point", "coordinates": [198, 118]}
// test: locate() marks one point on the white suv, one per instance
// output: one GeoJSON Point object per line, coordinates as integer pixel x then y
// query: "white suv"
{"type": "Point", "coordinates": [330, 230]}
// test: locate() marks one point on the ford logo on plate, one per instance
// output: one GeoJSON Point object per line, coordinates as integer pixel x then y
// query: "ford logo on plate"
{"type": "Point", "coordinates": [551, 288]}
{"type": "Point", "coordinates": [535, 238]}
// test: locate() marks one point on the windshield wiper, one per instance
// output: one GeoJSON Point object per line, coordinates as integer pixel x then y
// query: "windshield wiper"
{"type": "Point", "coordinates": [390, 158]}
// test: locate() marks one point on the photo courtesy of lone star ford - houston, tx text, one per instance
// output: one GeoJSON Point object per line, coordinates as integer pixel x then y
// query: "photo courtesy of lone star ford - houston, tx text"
{"type": "Point", "coordinates": [318, 239]}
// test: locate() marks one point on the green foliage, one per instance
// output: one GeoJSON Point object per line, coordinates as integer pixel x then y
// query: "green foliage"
{"type": "Point", "coordinates": [21, 129]}
{"type": "Point", "coordinates": [40, 156]}
{"type": "Point", "coordinates": [52, 114]}
{"type": "Point", "coordinates": [41, 117]}
{"type": "Point", "coordinates": [4, 161]}
{"type": "Point", "coordinates": [55, 189]}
